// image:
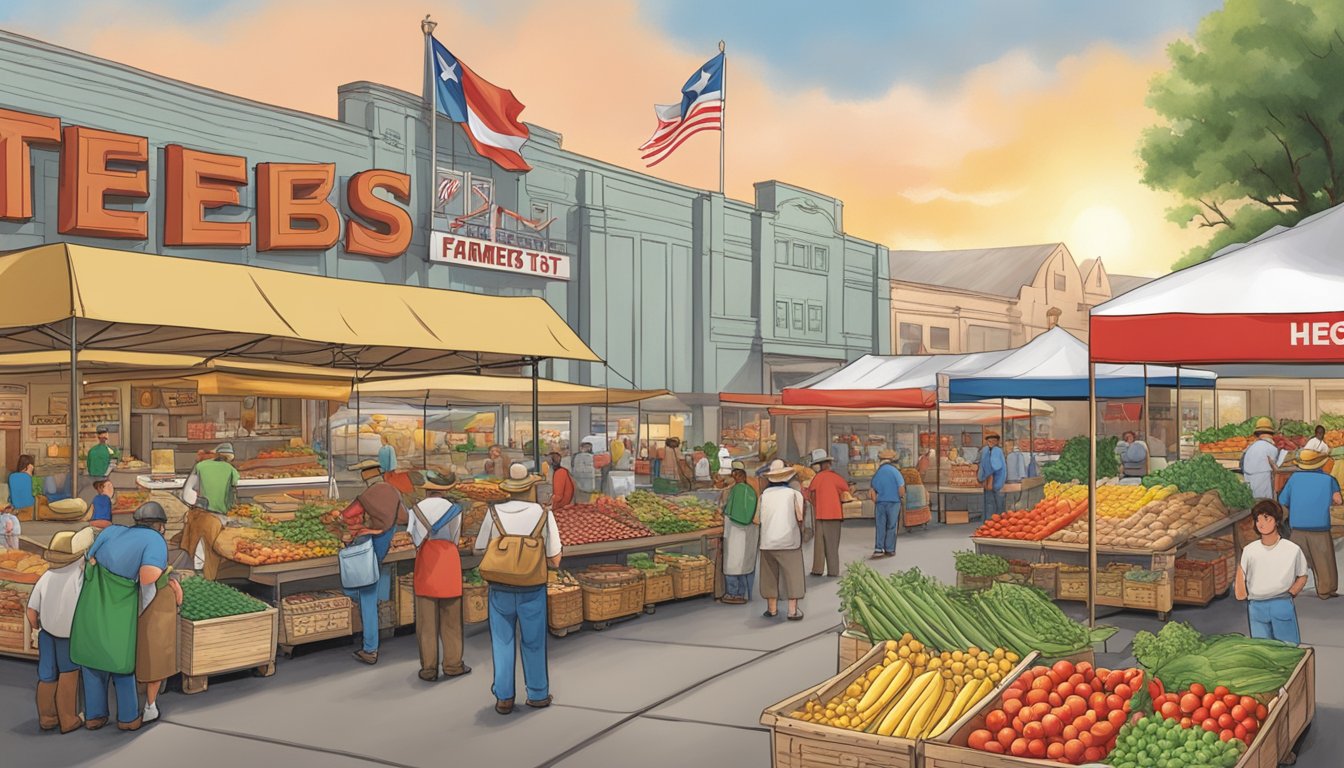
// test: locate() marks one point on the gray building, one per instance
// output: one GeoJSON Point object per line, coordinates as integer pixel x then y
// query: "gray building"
{"type": "Point", "coordinates": [675, 287]}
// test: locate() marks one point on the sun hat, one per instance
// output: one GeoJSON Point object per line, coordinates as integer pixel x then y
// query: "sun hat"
{"type": "Point", "coordinates": [225, 449]}
{"type": "Point", "coordinates": [1264, 426]}
{"type": "Point", "coordinates": [991, 434]}
{"type": "Point", "coordinates": [68, 546]}
{"type": "Point", "coordinates": [742, 465]}
{"type": "Point", "coordinates": [820, 456]}
{"type": "Point", "coordinates": [886, 454]}
{"type": "Point", "coordinates": [363, 465]}
{"type": "Point", "coordinates": [519, 480]}
{"type": "Point", "coordinates": [439, 481]}
{"type": "Point", "coordinates": [1309, 459]}
{"type": "Point", "coordinates": [150, 512]}
{"type": "Point", "coordinates": [779, 472]}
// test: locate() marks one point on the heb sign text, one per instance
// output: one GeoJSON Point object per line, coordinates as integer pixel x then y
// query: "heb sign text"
{"type": "Point", "coordinates": [482, 254]}
{"type": "Point", "coordinates": [1317, 334]}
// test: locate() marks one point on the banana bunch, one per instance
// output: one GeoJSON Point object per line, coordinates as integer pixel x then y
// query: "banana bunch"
{"type": "Point", "coordinates": [930, 705]}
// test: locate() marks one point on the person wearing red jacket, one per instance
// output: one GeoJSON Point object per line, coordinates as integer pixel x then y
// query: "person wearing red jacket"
{"type": "Point", "coordinates": [562, 484]}
{"type": "Point", "coordinates": [826, 492]}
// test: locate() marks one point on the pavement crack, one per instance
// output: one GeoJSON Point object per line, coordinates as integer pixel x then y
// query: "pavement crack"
{"type": "Point", "coordinates": [294, 745]}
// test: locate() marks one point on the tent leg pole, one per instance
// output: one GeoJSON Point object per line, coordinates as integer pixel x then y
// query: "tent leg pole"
{"type": "Point", "coordinates": [1092, 495]}
{"type": "Point", "coordinates": [1031, 431]}
{"type": "Point", "coordinates": [536, 418]}
{"type": "Point", "coordinates": [424, 434]}
{"type": "Point", "coordinates": [938, 460]}
{"type": "Point", "coordinates": [358, 416]}
{"type": "Point", "coordinates": [1147, 422]}
{"type": "Point", "coordinates": [73, 410]}
{"type": "Point", "coordinates": [333, 490]}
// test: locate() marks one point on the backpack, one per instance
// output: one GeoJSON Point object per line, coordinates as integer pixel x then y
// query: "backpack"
{"type": "Point", "coordinates": [513, 560]}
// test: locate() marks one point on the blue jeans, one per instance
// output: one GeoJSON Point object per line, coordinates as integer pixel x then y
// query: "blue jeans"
{"type": "Point", "coordinates": [1275, 619]}
{"type": "Point", "coordinates": [53, 657]}
{"type": "Point", "coordinates": [994, 504]}
{"type": "Point", "coordinates": [368, 598]}
{"type": "Point", "coordinates": [95, 695]}
{"type": "Point", "coordinates": [887, 517]}
{"type": "Point", "coordinates": [739, 586]}
{"type": "Point", "coordinates": [522, 609]}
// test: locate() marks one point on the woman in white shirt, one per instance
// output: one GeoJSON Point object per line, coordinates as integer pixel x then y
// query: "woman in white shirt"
{"type": "Point", "coordinates": [780, 515]}
{"type": "Point", "coordinates": [1272, 573]}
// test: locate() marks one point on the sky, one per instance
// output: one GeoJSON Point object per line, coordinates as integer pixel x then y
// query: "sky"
{"type": "Point", "coordinates": [954, 124]}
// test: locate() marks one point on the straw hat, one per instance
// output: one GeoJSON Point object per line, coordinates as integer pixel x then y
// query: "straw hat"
{"type": "Point", "coordinates": [820, 456]}
{"type": "Point", "coordinates": [519, 480]}
{"type": "Point", "coordinates": [991, 435]}
{"type": "Point", "coordinates": [742, 465]}
{"type": "Point", "coordinates": [1309, 459]}
{"type": "Point", "coordinates": [779, 472]}
{"type": "Point", "coordinates": [363, 465]}
{"type": "Point", "coordinates": [68, 546]}
{"type": "Point", "coordinates": [1264, 426]}
{"type": "Point", "coordinates": [439, 481]}
{"type": "Point", "coordinates": [886, 454]}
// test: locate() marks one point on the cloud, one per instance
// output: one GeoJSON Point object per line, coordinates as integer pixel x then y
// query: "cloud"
{"type": "Point", "coordinates": [1012, 152]}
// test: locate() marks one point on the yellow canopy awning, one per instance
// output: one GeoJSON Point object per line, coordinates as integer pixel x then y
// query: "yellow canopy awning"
{"type": "Point", "coordinates": [449, 389]}
{"type": "Point", "coordinates": [131, 301]}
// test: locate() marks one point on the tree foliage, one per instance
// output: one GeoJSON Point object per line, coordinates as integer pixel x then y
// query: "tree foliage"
{"type": "Point", "coordinates": [1254, 120]}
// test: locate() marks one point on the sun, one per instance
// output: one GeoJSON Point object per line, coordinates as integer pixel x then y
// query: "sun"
{"type": "Point", "coordinates": [1101, 232]}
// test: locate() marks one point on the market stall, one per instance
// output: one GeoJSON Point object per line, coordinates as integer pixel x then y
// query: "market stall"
{"type": "Point", "coordinates": [746, 429]}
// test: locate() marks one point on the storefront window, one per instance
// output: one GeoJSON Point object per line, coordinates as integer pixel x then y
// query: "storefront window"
{"type": "Point", "coordinates": [1288, 404]}
{"type": "Point", "coordinates": [912, 338]}
{"type": "Point", "coordinates": [746, 433]}
{"type": "Point", "coordinates": [940, 339]}
{"type": "Point", "coordinates": [980, 338]}
{"type": "Point", "coordinates": [1330, 401]}
{"type": "Point", "coordinates": [1232, 406]}
{"type": "Point", "coordinates": [555, 430]}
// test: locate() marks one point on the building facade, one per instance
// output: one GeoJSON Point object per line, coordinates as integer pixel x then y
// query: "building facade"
{"type": "Point", "coordinates": [675, 287]}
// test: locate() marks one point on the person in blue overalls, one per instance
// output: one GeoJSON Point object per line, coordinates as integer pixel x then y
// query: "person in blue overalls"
{"type": "Point", "coordinates": [992, 475]}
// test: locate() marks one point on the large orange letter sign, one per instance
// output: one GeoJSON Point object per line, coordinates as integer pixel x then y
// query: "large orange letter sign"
{"type": "Point", "coordinates": [293, 193]}
{"type": "Point", "coordinates": [18, 131]}
{"type": "Point", "coordinates": [368, 241]}
{"type": "Point", "coordinates": [194, 182]}
{"type": "Point", "coordinates": [86, 181]}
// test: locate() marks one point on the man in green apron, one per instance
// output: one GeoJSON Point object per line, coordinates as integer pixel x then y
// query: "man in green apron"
{"type": "Point", "coordinates": [103, 634]}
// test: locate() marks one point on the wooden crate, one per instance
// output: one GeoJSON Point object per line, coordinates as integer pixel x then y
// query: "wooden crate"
{"type": "Point", "coordinates": [228, 644]}
{"type": "Point", "coordinates": [974, 582]}
{"type": "Point", "coordinates": [1289, 715]}
{"type": "Point", "coordinates": [308, 617]}
{"type": "Point", "coordinates": [1072, 585]}
{"type": "Point", "coordinates": [475, 603]}
{"type": "Point", "coordinates": [1243, 532]}
{"type": "Point", "coordinates": [1111, 587]}
{"type": "Point", "coordinates": [602, 604]}
{"type": "Point", "coordinates": [564, 610]}
{"type": "Point", "coordinates": [1045, 576]}
{"type": "Point", "coordinates": [658, 587]}
{"type": "Point", "coordinates": [1194, 584]}
{"type": "Point", "coordinates": [1223, 559]}
{"type": "Point", "coordinates": [956, 517]}
{"type": "Point", "coordinates": [405, 599]}
{"type": "Point", "coordinates": [692, 579]}
{"type": "Point", "coordinates": [1148, 595]}
{"type": "Point", "coordinates": [854, 644]}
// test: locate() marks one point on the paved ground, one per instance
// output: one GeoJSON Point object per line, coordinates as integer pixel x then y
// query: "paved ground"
{"type": "Point", "coordinates": [683, 687]}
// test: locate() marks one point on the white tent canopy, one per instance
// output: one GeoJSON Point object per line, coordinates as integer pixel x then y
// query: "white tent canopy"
{"type": "Point", "coordinates": [881, 381]}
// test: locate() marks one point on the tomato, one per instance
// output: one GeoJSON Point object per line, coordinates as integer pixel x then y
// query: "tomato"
{"type": "Point", "coordinates": [994, 747]}
{"type": "Point", "coordinates": [1037, 696]}
{"type": "Point", "coordinates": [1114, 680]}
{"type": "Point", "coordinates": [1261, 712]}
{"type": "Point", "coordinates": [1250, 725]}
{"type": "Point", "coordinates": [1039, 711]}
{"type": "Point", "coordinates": [1103, 731]}
{"type": "Point", "coordinates": [1083, 723]}
{"type": "Point", "coordinates": [1094, 754]}
{"type": "Point", "coordinates": [1012, 693]}
{"type": "Point", "coordinates": [1231, 700]}
{"type": "Point", "coordinates": [1019, 748]}
{"type": "Point", "coordinates": [1170, 710]}
{"type": "Point", "coordinates": [1077, 705]}
{"type": "Point", "coordinates": [1076, 679]}
{"type": "Point", "coordinates": [1087, 738]}
{"type": "Point", "coordinates": [1226, 736]}
{"type": "Point", "coordinates": [1043, 683]}
{"type": "Point", "coordinates": [1085, 669]}
{"type": "Point", "coordinates": [1200, 715]}
{"type": "Point", "coordinates": [1083, 689]}
{"type": "Point", "coordinates": [1208, 700]}
{"type": "Point", "coordinates": [1124, 691]}
{"type": "Point", "coordinates": [1210, 725]}
{"type": "Point", "coordinates": [1239, 713]}
{"type": "Point", "coordinates": [1073, 751]}
{"type": "Point", "coordinates": [1117, 719]}
{"type": "Point", "coordinates": [1064, 669]}
{"type": "Point", "coordinates": [1187, 722]}
{"type": "Point", "coordinates": [1055, 750]}
{"type": "Point", "coordinates": [1220, 691]}
{"type": "Point", "coordinates": [1012, 706]}
{"type": "Point", "coordinates": [1115, 701]}
{"type": "Point", "coordinates": [1027, 715]}
{"type": "Point", "coordinates": [1240, 732]}
{"type": "Point", "coordinates": [978, 739]}
{"type": "Point", "coordinates": [1068, 733]}
{"type": "Point", "coordinates": [1217, 710]}
{"type": "Point", "coordinates": [1189, 703]}
{"type": "Point", "coordinates": [1052, 725]}
{"type": "Point", "coordinates": [1097, 702]}
{"type": "Point", "coordinates": [996, 720]}
{"type": "Point", "coordinates": [1064, 689]}
{"type": "Point", "coordinates": [1198, 690]}
{"type": "Point", "coordinates": [1033, 730]}
{"type": "Point", "coordinates": [1055, 700]}
{"type": "Point", "coordinates": [1036, 748]}
{"type": "Point", "coordinates": [1006, 737]}
{"type": "Point", "coordinates": [1249, 703]}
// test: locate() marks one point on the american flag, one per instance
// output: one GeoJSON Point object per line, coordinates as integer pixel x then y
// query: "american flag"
{"type": "Point", "coordinates": [701, 109]}
{"type": "Point", "coordinates": [448, 190]}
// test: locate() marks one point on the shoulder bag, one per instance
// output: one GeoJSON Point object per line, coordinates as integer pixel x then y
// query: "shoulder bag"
{"type": "Point", "coordinates": [359, 564]}
{"type": "Point", "coordinates": [512, 560]}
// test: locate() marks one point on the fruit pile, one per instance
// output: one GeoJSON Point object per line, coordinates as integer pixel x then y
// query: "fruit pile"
{"type": "Point", "coordinates": [126, 502]}
{"type": "Point", "coordinates": [287, 452]}
{"type": "Point", "coordinates": [21, 566]}
{"type": "Point", "coordinates": [901, 696]}
{"type": "Point", "coordinates": [204, 599]}
{"type": "Point", "coordinates": [313, 525]}
{"type": "Point", "coordinates": [1046, 445]}
{"type": "Point", "coordinates": [1234, 438]}
{"type": "Point", "coordinates": [1074, 460]}
{"type": "Point", "coordinates": [1035, 524]}
{"type": "Point", "coordinates": [1158, 526]}
{"type": "Point", "coordinates": [1064, 713]}
{"type": "Point", "coordinates": [591, 523]}
{"type": "Point", "coordinates": [1153, 741]}
{"type": "Point", "coordinates": [284, 473]}
{"type": "Point", "coordinates": [1202, 474]}
{"type": "Point", "coordinates": [664, 515]}
{"type": "Point", "coordinates": [1218, 711]}
{"type": "Point", "coordinates": [479, 490]}
{"type": "Point", "coordinates": [268, 550]}
{"type": "Point", "coordinates": [1121, 501]}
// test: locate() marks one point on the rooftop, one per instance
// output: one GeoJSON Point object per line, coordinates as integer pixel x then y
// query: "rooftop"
{"type": "Point", "coordinates": [993, 271]}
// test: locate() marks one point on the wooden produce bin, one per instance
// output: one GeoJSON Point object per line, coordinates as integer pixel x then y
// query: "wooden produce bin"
{"type": "Point", "coordinates": [227, 644]}
{"type": "Point", "coordinates": [1073, 583]}
{"type": "Point", "coordinates": [16, 634]}
{"type": "Point", "coordinates": [1194, 582]}
{"type": "Point", "coordinates": [658, 588]}
{"type": "Point", "coordinates": [309, 617]}
{"type": "Point", "coordinates": [614, 600]}
{"type": "Point", "coordinates": [1148, 595]}
{"type": "Point", "coordinates": [564, 609]}
{"type": "Point", "coordinates": [854, 644]}
{"type": "Point", "coordinates": [691, 579]}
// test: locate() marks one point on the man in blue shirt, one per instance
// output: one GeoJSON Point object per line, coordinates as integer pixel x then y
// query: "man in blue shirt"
{"type": "Point", "coordinates": [993, 474]}
{"type": "Point", "coordinates": [1308, 496]}
{"type": "Point", "coordinates": [888, 493]}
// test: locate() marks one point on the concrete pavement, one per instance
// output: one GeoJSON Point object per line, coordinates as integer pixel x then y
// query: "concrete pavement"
{"type": "Point", "coordinates": [682, 687]}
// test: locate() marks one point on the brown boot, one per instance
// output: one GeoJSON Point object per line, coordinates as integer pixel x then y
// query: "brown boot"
{"type": "Point", "coordinates": [67, 701]}
{"type": "Point", "coordinates": [47, 719]}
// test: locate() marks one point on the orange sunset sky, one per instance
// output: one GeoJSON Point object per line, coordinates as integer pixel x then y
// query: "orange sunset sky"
{"type": "Point", "coordinates": [970, 125]}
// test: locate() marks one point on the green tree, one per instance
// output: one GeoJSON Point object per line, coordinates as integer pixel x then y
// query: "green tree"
{"type": "Point", "coordinates": [1254, 120]}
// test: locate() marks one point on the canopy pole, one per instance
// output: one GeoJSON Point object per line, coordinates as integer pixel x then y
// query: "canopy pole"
{"type": "Point", "coordinates": [1031, 431]}
{"type": "Point", "coordinates": [1092, 495]}
{"type": "Point", "coordinates": [938, 459]}
{"type": "Point", "coordinates": [1003, 420]}
{"type": "Point", "coordinates": [536, 417]}
{"type": "Point", "coordinates": [424, 432]}
{"type": "Point", "coordinates": [1180, 420]}
{"type": "Point", "coordinates": [358, 415]}
{"type": "Point", "coordinates": [333, 490]}
{"type": "Point", "coordinates": [73, 410]}
{"type": "Point", "coordinates": [1147, 420]}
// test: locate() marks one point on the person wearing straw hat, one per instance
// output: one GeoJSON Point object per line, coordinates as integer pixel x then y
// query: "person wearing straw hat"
{"type": "Point", "coordinates": [826, 491]}
{"type": "Point", "coordinates": [51, 608]}
{"type": "Point", "coordinates": [370, 471]}
{"type": "Point", "coordinates": [992, 473]}
{"type": "Point", "coordinates": [518, 614]}
{"type": "Point", "coordinates": [435, 524]}
{"type": "Point", "coordinates": [1308, 495]}
{"type": "Point", "coordinates": [1260, 460]}
{"type": "Point", "coordinates": [889, 496]}
{"type": "Point", "coordinates": [780, 515]}
{"type": "Point", "coordinates": [374, 514]}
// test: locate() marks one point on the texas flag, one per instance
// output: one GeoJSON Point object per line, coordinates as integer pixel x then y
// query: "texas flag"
{"type": "Point", "coordinates": [489, 113]}
{"type": "Point", "coordinates": [701, 109]}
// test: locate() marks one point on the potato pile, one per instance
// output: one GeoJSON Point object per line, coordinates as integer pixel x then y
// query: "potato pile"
{"type": "Point", "coordinates": [1158, 526]}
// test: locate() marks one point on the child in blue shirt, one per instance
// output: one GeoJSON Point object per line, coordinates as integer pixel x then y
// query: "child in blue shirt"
{"type": "Point", "coordinates": [102, 504]}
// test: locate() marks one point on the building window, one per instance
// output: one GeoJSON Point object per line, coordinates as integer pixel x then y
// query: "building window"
{"type": "Point", "coordinates": [1098, 278]}
{"type": "Point", "coordinates": [912, 338]}
{"type": "Point", "coordinates": [814, 318]}
{"type": "Point", "coordinates": [541, 212]}
{"type": "Point", "coordinates": [781, 251]}
{"type": "Point", "coordinates": [980, 338]}
{"type": "Point", "coordinates": [1060, 283]}
{"type": "Point", "coordinates": [800, 255]}
{"type": "Point", "coordinates": [798, 315]}
{"type": "Point", "coordinates": [450, 193]}
{"type": "Point", "coordinates": [781, 314]}
{"type": "Point", "coordinates": [940, 339]}
{"type": "Point", "coordinates": [821, 258]}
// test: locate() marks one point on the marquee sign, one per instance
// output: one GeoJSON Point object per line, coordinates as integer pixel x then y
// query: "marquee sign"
{"type": "Point", "coordinates": [460, 250]}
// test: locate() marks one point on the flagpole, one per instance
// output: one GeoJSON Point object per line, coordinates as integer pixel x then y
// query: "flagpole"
{"type": "Point", "coordinates": [427, 27]}
{"type": "Point", "coordinates": [723, 114]}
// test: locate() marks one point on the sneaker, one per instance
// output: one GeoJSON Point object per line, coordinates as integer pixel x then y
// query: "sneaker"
{"type": "Point", "coordinates": [366, 657]}
{"type": "Point", "coordinates": [151, 713]}
{"type": "Point", "coordinates": [540, 704]}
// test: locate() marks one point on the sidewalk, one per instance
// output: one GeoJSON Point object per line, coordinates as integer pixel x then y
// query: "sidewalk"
{"type": "Point", "coordinates": [684, 686]}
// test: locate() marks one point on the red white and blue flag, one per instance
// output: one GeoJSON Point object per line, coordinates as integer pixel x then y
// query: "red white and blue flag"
{"type": "Point", "coordinates": [701, 109]}
{"type": "Point", "coordinates": [489, 113]}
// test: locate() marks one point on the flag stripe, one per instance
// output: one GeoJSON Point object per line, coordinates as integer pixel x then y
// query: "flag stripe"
{"type": "Point", "coordinates": [686, 136]}
{"type": "Point", "coordinates": [713, 121]}
{"type": "Point", "coordinates": [665, 132]}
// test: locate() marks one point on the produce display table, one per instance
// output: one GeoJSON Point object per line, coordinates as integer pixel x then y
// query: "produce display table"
{"type": "Point", "coordinates": [647, 542]}
{"type": "Point", "coordinates": [246, 486]}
